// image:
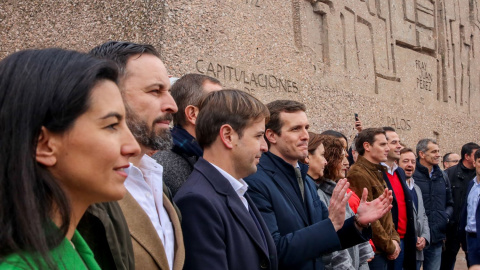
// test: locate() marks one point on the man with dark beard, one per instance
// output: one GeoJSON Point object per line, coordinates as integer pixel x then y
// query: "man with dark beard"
{"type": "Point", "coordinates": [153, 222]}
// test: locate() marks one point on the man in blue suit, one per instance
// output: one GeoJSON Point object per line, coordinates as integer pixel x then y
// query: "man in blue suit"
{"type": "Point", "coordinates": [470, 218]}
{"type": "Point", "coordinates": [221, 226]}
{"type": "Point", "coordinates": [301, 225]}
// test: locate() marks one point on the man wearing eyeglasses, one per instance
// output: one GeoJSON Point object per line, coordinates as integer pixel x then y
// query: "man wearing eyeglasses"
{"type": "Point", "coordinates": [450, 160]}
{"type": "Point", "coordinates": [460, 175]}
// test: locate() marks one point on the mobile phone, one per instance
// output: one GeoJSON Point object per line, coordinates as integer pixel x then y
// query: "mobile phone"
{"type": "Point", "coordinates": [356, 117]}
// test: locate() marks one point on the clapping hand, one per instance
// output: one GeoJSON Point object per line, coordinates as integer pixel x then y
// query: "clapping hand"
{"type": "Point", "coordinates": [338, 202]}
{"type": "Point", "coordinates": [369, 212]}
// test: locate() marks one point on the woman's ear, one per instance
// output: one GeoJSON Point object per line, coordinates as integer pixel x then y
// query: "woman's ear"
{"type": "Point", "coordinates": [45, 153]}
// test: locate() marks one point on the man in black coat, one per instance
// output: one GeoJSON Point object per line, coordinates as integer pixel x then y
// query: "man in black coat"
{"type": "Point", "coordinates": [459, 175]}
{"type": "Point", "coordinates": [437, 198]}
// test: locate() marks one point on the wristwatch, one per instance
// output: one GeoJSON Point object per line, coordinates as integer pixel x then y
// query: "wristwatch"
{"type": "Point", "coordinates": [360, 224]}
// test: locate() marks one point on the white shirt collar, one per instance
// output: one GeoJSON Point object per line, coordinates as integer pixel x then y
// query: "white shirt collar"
{"type": "Point", "coordinates": [391, 171]}
{"type": "Point", "coordinates": [240, 186]}
{"type": "Point", "coordinates": [411, 184]}
{"type": "Point", "coordinates": [145, 184]}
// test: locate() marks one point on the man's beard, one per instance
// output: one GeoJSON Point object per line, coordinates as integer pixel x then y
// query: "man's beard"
{"type": "Point", "coordinates": [147, 136]}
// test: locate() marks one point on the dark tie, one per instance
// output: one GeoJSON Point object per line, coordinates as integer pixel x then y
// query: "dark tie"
{"type": "Point", "coordinates": [298, 174]}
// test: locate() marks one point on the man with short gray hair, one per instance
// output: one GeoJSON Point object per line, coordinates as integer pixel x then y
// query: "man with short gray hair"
{"type": "Point", "coordinates": [437, 196]}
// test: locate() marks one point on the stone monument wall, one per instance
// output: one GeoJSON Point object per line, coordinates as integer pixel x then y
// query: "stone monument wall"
{"type": "Point", "coordinates": [409, 64]}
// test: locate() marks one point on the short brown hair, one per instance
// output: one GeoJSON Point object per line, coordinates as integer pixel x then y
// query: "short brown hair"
{"type": "Point", "coordinates": [188, 90]}
{"type": "Point", "coordinates": [278, 106]}
{"type": "Point", "coordinates": [334, 152]}
{"type": "Point", "coordinates": [367, 135]}
{"type": "Point", "coordinates": [231, 106]}
{"type": "Point", "coordinates": [406, 150]}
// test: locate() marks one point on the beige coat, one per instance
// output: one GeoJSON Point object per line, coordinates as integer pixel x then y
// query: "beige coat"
{"type": "Point", "coordinates": [147, 246]}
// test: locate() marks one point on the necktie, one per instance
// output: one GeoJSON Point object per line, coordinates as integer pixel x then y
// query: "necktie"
{"type": "Point", "coordinates": [298, 174]}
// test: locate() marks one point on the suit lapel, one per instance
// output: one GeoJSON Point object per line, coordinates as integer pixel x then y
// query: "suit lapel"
{"type": "Point", "coordinates": [179, 247]}
{"type": "Point", "coordinates": [285, 187]}
{"type": "Point", "coordinates": [243, 217]}
{"type": "Point", "coordinates": [142, 230]}
{"type": "Point", "coordinates": [235, 205]}
{"type": "Point", "coordinates": [276, 167]}
{"type": "Point", "coordinates": [268, 238]}
{"type": "Point", "coordinates": [309, 202]}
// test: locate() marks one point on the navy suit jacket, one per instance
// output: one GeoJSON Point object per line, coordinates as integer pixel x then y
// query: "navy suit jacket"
{"type": "Point", "coordinates": [218, 230]}
{"type": "Point", "coordinates": [410, 240]}
{"type": "Point", "coordinates": [463, 222]}
{"type": "Point", "coordinates": [302, 231]}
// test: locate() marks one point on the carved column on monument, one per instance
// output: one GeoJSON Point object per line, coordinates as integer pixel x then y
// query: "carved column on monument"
{"type": "Point", "coordinates": [360, 40]}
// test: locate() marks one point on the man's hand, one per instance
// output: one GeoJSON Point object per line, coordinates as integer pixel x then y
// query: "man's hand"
{"type": "Point", "coordinates": [421, 243]}
{"type": "Point", "coordinates": [358, 125]}
{"type": "Point", "coordinates": [338, 202]}
{"type": "Point", "coordinates": [396, 253]}
{"type": "Point", "coordinates": [369, 212]}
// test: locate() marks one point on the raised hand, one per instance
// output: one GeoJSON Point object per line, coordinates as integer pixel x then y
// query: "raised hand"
{"type": "Point", "coordinates": [358, 125]}
{"type": "Point", "coordinates": [369, 212]}
{"type": "Point", "coordinates": [338, 202]}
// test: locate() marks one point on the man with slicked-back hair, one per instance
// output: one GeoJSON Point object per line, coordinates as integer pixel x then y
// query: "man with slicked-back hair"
{"type": "Point", "coordinates": [153, 221]}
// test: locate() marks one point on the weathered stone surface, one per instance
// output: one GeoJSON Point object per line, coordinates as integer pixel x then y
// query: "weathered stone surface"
{"type": "Point", "coordinates": [410, 64]}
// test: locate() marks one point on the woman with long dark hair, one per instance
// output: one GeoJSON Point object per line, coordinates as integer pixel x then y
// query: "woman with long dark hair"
{"type": "Point", "coordinates": [64, 145]}
{"type": "Point", "coordinates": [327, 164]}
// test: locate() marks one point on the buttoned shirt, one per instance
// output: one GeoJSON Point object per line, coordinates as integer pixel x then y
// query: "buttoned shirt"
{"type": "Point", "coordinates": [472, 204]}
{"type": "Point", "coordinates": [145, 183]}
{"type": "Point", "coordinates": [411, 183]}
{"type": "Point", "coordinates": [239, 185]}
{"type": "Point", "coordinates": [392, 170]}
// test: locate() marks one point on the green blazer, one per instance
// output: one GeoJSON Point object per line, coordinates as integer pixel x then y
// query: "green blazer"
{"type": "Point", "coordinates": [65, 257]}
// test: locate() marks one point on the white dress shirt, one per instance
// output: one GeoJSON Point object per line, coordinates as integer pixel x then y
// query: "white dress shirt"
{"type": "Point", "coordinates": [145, 183]}
{"type": "Point", "coordinates": [392, 170]}
{"type": "Point", "coordinates": [411, 183]}
{"type": "Point", "coordinates": [239, 185]}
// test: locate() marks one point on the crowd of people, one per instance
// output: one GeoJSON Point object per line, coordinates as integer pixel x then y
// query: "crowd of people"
{"type": "Point", "coordinates": [106, 165]}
